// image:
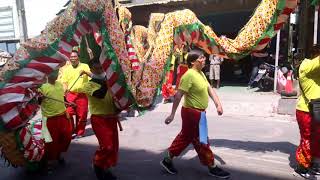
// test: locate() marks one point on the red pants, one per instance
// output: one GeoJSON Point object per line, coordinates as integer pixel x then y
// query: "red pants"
{"type": "Point", "coordinates": [60, 129]}
{"type": "Point", "coordinates": [106, 130]}
{"type": "Point", "coordinates": [309, 147]}
{"type": "Point", "coordinates": [190, 134]}
{"type": "Point", "coordinates": [81, 111]}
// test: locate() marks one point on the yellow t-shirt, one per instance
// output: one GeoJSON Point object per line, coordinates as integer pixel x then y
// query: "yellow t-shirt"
{"type": "Point", "coordinates": [98, 106]}
{"type": "Point", "coordinates": [309, 78]}
{"type": "Point", "coordinates": [71, 74]}
{"type": "Point", "coordinates": [195, 85]}
{"type": "Point", "coordinates": [51, 107]}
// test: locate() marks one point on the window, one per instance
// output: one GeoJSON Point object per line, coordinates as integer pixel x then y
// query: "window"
{"type": "Point", "coordinates": [10, 47]}
{"type": "Point", "coordinates": [6, 23]}
{"type": "Point", "coordinates": [3, 46]}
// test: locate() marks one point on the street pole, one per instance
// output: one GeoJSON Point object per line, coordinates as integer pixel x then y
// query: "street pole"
{"type": "Point", "coordinates": [290, 37]}
{"type": "Point", "coordinates": [22, 20]}
{"type": "Point", "coordinates": [276, 63]}
{"type": "Point", "coordinates": [304, 31]}
{"type": "Point", "coordinates": [315, 27]}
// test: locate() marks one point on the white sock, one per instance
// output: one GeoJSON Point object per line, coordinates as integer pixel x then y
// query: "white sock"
{"type": "Point", "coordinates": [213, 166]}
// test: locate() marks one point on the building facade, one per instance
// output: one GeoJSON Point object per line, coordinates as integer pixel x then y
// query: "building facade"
{"type": "Point", "coordinates": [37, 13]}
{"type": "Point", "coordinates": [9, 26]}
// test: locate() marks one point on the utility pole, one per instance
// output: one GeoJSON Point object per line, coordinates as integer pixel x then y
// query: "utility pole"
{"type": "Point", "coordinates": [276, 64]}
{"type": "Point", "coordinates": [316, 23]}
{"type": "Point", "coordinates": [22, 20]}
{"type": "Point", "coordinates": [303, 27]}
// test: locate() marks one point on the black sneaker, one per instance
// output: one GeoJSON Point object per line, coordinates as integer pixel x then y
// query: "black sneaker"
{"type": "Point", "coordinates": [303, 172]}
{"type": "Point", "coordinates": [315, 169]}
{"type": "Point", "coordinates": [108, 175]}
{"type": "Point", "coordinates": [61, 161]}
{"type": "Point", "coordinates": [168, 166]}
{"type": "Point", "coordinates": [99, 172]}
{"type": "Point", "coordinates": [50, 169]}
{"type": "Point", "coordinates": [219, 173]}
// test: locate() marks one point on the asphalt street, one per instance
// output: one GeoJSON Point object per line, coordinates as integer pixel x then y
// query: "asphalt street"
{"type": "Point", "coordinates": [257, 145]}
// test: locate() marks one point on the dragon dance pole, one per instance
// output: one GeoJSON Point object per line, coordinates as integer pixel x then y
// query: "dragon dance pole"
{"type": "Point", "coordinates": [74, 83]}
{"type": "Point", "coordinates": [120, 126]}
{"type": "Point", "coordinates": [67, 103]}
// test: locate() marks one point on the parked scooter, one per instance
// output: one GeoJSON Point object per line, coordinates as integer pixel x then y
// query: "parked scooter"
{"type": "Point", "coordinates": [265, 77]}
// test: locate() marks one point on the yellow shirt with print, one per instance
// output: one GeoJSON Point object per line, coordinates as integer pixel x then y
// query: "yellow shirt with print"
{"type": "Point", "coordinates": [49, 107]}
{"type": "Point", "coordinates": [71, 74]}
{"type": "Point", "coordinates": [309, 78]}
{"type": "Point", "coordinates": [98, 106]}
{"type": "Point", "coordinates": [195, 85]}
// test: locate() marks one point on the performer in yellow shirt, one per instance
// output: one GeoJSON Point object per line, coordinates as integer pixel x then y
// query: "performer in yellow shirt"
{"type": "Point", "coordinates": [196, 91]}
{"type": "Point", "coordinates": [73, 81]}
{"type": "Point", "coordinates": [104, 120]}
{"type": "Point", "coordinates": [308, 152]}
{"type": "Point", "coordinates": [58, 122]}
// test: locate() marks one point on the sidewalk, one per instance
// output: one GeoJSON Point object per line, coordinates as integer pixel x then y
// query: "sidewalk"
{"type": "Point", "coordinates": [240, 101]}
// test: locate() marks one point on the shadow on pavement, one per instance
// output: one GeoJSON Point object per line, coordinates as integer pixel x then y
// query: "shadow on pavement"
{"type": "Point", "coordinates": [144, 165]}
{"type": "Point", "coordinates": [284, 147]}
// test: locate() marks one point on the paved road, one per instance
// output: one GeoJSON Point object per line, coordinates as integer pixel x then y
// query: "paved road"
{"type": "Point", "coordinates": [258, 146]}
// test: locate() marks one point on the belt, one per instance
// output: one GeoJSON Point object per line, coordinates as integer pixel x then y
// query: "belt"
{"type": "Point", "coordinates": [201, 110]}
{"type": "Point", "coordinates": [109, 116]}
